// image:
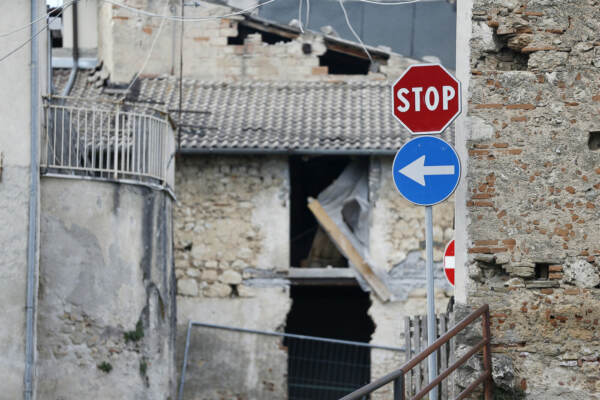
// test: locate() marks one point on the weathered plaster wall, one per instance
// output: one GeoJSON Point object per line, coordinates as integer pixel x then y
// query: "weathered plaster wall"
{"type": "Point", "coordinates": [126, 37]}
{"type": "Point", "coordinates": [232, 230]}
{"type": "Point", "coordinates": [107, 292]}
{"type": "Point", "coordinates": [533, 190]}
{"type": "Point", "coordinates": [15, 183]}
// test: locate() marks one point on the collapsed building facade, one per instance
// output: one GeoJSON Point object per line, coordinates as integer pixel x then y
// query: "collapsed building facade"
{"type": "Point", "coordinates": [265, 120]}
{"type": "Point", "coordinates": [269, 117]}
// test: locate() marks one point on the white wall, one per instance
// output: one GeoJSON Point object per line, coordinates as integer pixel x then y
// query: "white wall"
{"type": "Point", "coordinates": [15, 130]}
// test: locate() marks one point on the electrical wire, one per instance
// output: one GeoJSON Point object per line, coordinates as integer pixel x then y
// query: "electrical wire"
{"type": "Point", "coordinates": [191, 19]}
{"type": "Point", "coordinates": [300, 15]}
{"type": "Point", "coordinates": [2, 35]}
{"type": "Point", "coordinates": [354, 32]}
{"type": "Point", "coordinates": [19, 47]}
{"type": "Point", "coordinates": [394, 3]}
{"type": "Point", "coordinates": [307, 13]}
{"type": "Point", "coordinates": [158, 32]}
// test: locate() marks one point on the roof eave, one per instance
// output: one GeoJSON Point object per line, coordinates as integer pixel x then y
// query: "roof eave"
{"type": "Point", "coordinates": [263, 151]}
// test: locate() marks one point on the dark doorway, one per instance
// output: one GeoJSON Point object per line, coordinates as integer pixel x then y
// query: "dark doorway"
{"type": "Point", "coordinates": [309, 176]}
{"type": "Point", "coordinates": [322, 370]}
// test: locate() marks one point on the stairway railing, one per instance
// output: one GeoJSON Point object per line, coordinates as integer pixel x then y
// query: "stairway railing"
{"type": "Point", "coordinates": [397, 377]}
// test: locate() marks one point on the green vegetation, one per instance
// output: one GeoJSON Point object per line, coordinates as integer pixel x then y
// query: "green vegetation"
{"type": "Point", "coordinates": [105, 367]}
{"type": "Point", "coordinates": [135, 335]}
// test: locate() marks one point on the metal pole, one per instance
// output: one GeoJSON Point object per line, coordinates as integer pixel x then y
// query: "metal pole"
{"type": "Point", "coordinates": [431, 320]}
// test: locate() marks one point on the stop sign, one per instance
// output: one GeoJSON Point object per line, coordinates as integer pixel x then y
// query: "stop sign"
{"type": "Point", "coordinates": [426, 98]}
{"type": "Point", "coordinates": [449, 262]}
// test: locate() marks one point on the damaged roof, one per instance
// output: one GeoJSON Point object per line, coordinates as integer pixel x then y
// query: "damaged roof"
{"type": "Point", "coordinates": [301, 117]}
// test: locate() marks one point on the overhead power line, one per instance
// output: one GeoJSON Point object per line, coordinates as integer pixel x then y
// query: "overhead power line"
{"type": "Point", "coordinates": [2, 35]}
{"type": "Point", "coordinates": [185, 19]}
{"type": "Point", "coordinates": [13, 51]}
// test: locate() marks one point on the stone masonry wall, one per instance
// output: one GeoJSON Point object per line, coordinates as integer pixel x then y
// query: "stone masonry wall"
{"type": "Point", "coordinates": [126, 37]}
{"type": "Point", "coordinates": [534, 186]}
{"type": "Point", "coordinates": [397, 248]}
{"type": "Point", "coordinates": [231, 238]}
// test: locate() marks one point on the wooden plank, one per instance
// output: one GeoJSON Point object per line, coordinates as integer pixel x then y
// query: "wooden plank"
{"type": "Point", "coordinates": [424, 345]}
{"type": "Point", "coordinates": [348, 250]}
{"type": "Point", "coordinates": [320, 273]}
{"type": "Point", "coordinates": [418, 349]}
{"type": "Point", "coordinates": [408, 353]}
{"type": "Point", "coordinates": [444, 357]}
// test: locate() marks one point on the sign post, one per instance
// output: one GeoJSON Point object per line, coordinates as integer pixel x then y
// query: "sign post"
{"type": "Point", "coordinates": [426, 170]}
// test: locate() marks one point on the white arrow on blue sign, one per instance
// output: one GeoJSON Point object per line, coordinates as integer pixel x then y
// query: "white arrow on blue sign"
{"type": "Point", "coordinates": [426, 170]}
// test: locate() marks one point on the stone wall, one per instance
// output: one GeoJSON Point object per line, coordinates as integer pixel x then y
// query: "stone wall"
{"type": "Point", "coordinates": [106, 326]}
{"type": "Point", "coordinates": [532, 190]}
{"type": "Point", "coordinates": [397, 248]}
{"type": "Point", "coordinates": [126, 37]}
{"type": "Point", "coordinates": [232, 253]}
{"type": "Point", "coordinates": [232, 238]}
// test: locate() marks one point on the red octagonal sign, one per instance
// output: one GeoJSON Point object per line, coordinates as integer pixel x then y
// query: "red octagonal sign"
{"type": "Point", "coordinates": [426, 98]}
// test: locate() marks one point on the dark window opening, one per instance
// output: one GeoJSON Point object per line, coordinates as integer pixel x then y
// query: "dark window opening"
{"type": "Point", "coordinates": [322, 370]}
{"type": "Point", "coordinates": [267, 37]}
{"type": "Point", "coordinates": [594, 141]}
{"type": "Point", "coordinates": [310, 247]}
{"type": "Point", "coordinates": [344, 64]}
{"type": "Point", "coordinates": [541, 270]}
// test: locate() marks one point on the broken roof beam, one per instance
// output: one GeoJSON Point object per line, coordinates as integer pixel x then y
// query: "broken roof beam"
{"type": "Point", "coordinates": [348, 250]}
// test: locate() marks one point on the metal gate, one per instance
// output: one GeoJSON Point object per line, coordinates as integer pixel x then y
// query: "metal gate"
{"type": "Point", "coordinates": [315, 367]}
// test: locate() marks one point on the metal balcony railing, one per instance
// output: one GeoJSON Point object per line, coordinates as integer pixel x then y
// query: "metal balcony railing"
{"type": "Point", "coordinates": [397, 377]}
{"type": "Point", "coordinates": [106, 141]}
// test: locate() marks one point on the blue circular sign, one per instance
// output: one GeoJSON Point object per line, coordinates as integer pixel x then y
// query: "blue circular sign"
{"type": "Point", "coordinates": [426, 170]}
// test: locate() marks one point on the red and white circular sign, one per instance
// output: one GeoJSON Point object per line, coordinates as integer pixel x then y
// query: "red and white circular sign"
{"type": "Point", "coordinates": [449, 262]}
{"type": "Point", "coordinates": [426, 98]}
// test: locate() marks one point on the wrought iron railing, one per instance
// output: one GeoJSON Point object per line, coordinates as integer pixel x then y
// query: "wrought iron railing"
{"type": "Point", "coordinates": [107, 141]}
{"type": "Point", "coordinates": [397, 377]}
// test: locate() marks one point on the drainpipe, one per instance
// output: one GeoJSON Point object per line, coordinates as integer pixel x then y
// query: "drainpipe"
{"type": "Point", "coordinates": [73, 74]}
{"type": "Point", "coordinates": [32, 262]}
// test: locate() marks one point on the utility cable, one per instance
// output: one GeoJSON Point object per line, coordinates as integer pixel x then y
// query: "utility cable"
{"type": "Point", "coordinates": [300, 15]}
{"type": "Point", "coordinates": [396, 3]}
{"type": "Point", "coordinates": [354, 32]}
{"type": "Point", "coordinates": [19, 47]}
{"type": "Point", "coordinates": [154, 40]}
{"type": "Point", "coordinates": [2, 35]}
{"type": "Point", "coordinates": [191, 19]}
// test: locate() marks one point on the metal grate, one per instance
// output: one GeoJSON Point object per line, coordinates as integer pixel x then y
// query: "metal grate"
{"type": "Point", "coordinates": [226, 361]}
{"type": "Point", "coordinates": [107, 142]}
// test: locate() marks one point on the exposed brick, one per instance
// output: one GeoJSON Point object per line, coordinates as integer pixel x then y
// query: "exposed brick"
{"type": "Point", "coordinates": [570, 189]}
{"type": "Point", "coordinates": [488, 106]}
{"type": "Point", "coordinates": [320, 70]}
{"type": "Point", "coordinates": [555, 275]}
{"type": "Point", "coordinates": [520, 107]}
{"type": "Point", "coordinates": [490, 242]}
{"type": "Point", "coordinates": [482, 250]}
{"type": "Point", "coordinates": [555, 268]}
{"type": "Point", "coordinates": [147, 29]}
{"type": "Point", "coordinates": [519, 119]}
{"type": "Point", "coordinates": [547, 291]}
{"type": "Point", "coordinates": [500, 145]}
{"type": "Point", "coordinates": [540, 48]}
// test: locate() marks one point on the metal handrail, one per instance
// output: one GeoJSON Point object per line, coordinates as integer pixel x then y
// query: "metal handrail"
{"type": "Point", "coordinates": [107, 142]}
{"type": "Point", "coordinates": [397, 377]}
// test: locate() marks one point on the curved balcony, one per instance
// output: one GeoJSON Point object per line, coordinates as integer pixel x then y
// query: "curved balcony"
{"type": "Point", "coordinates": [107, 141]}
